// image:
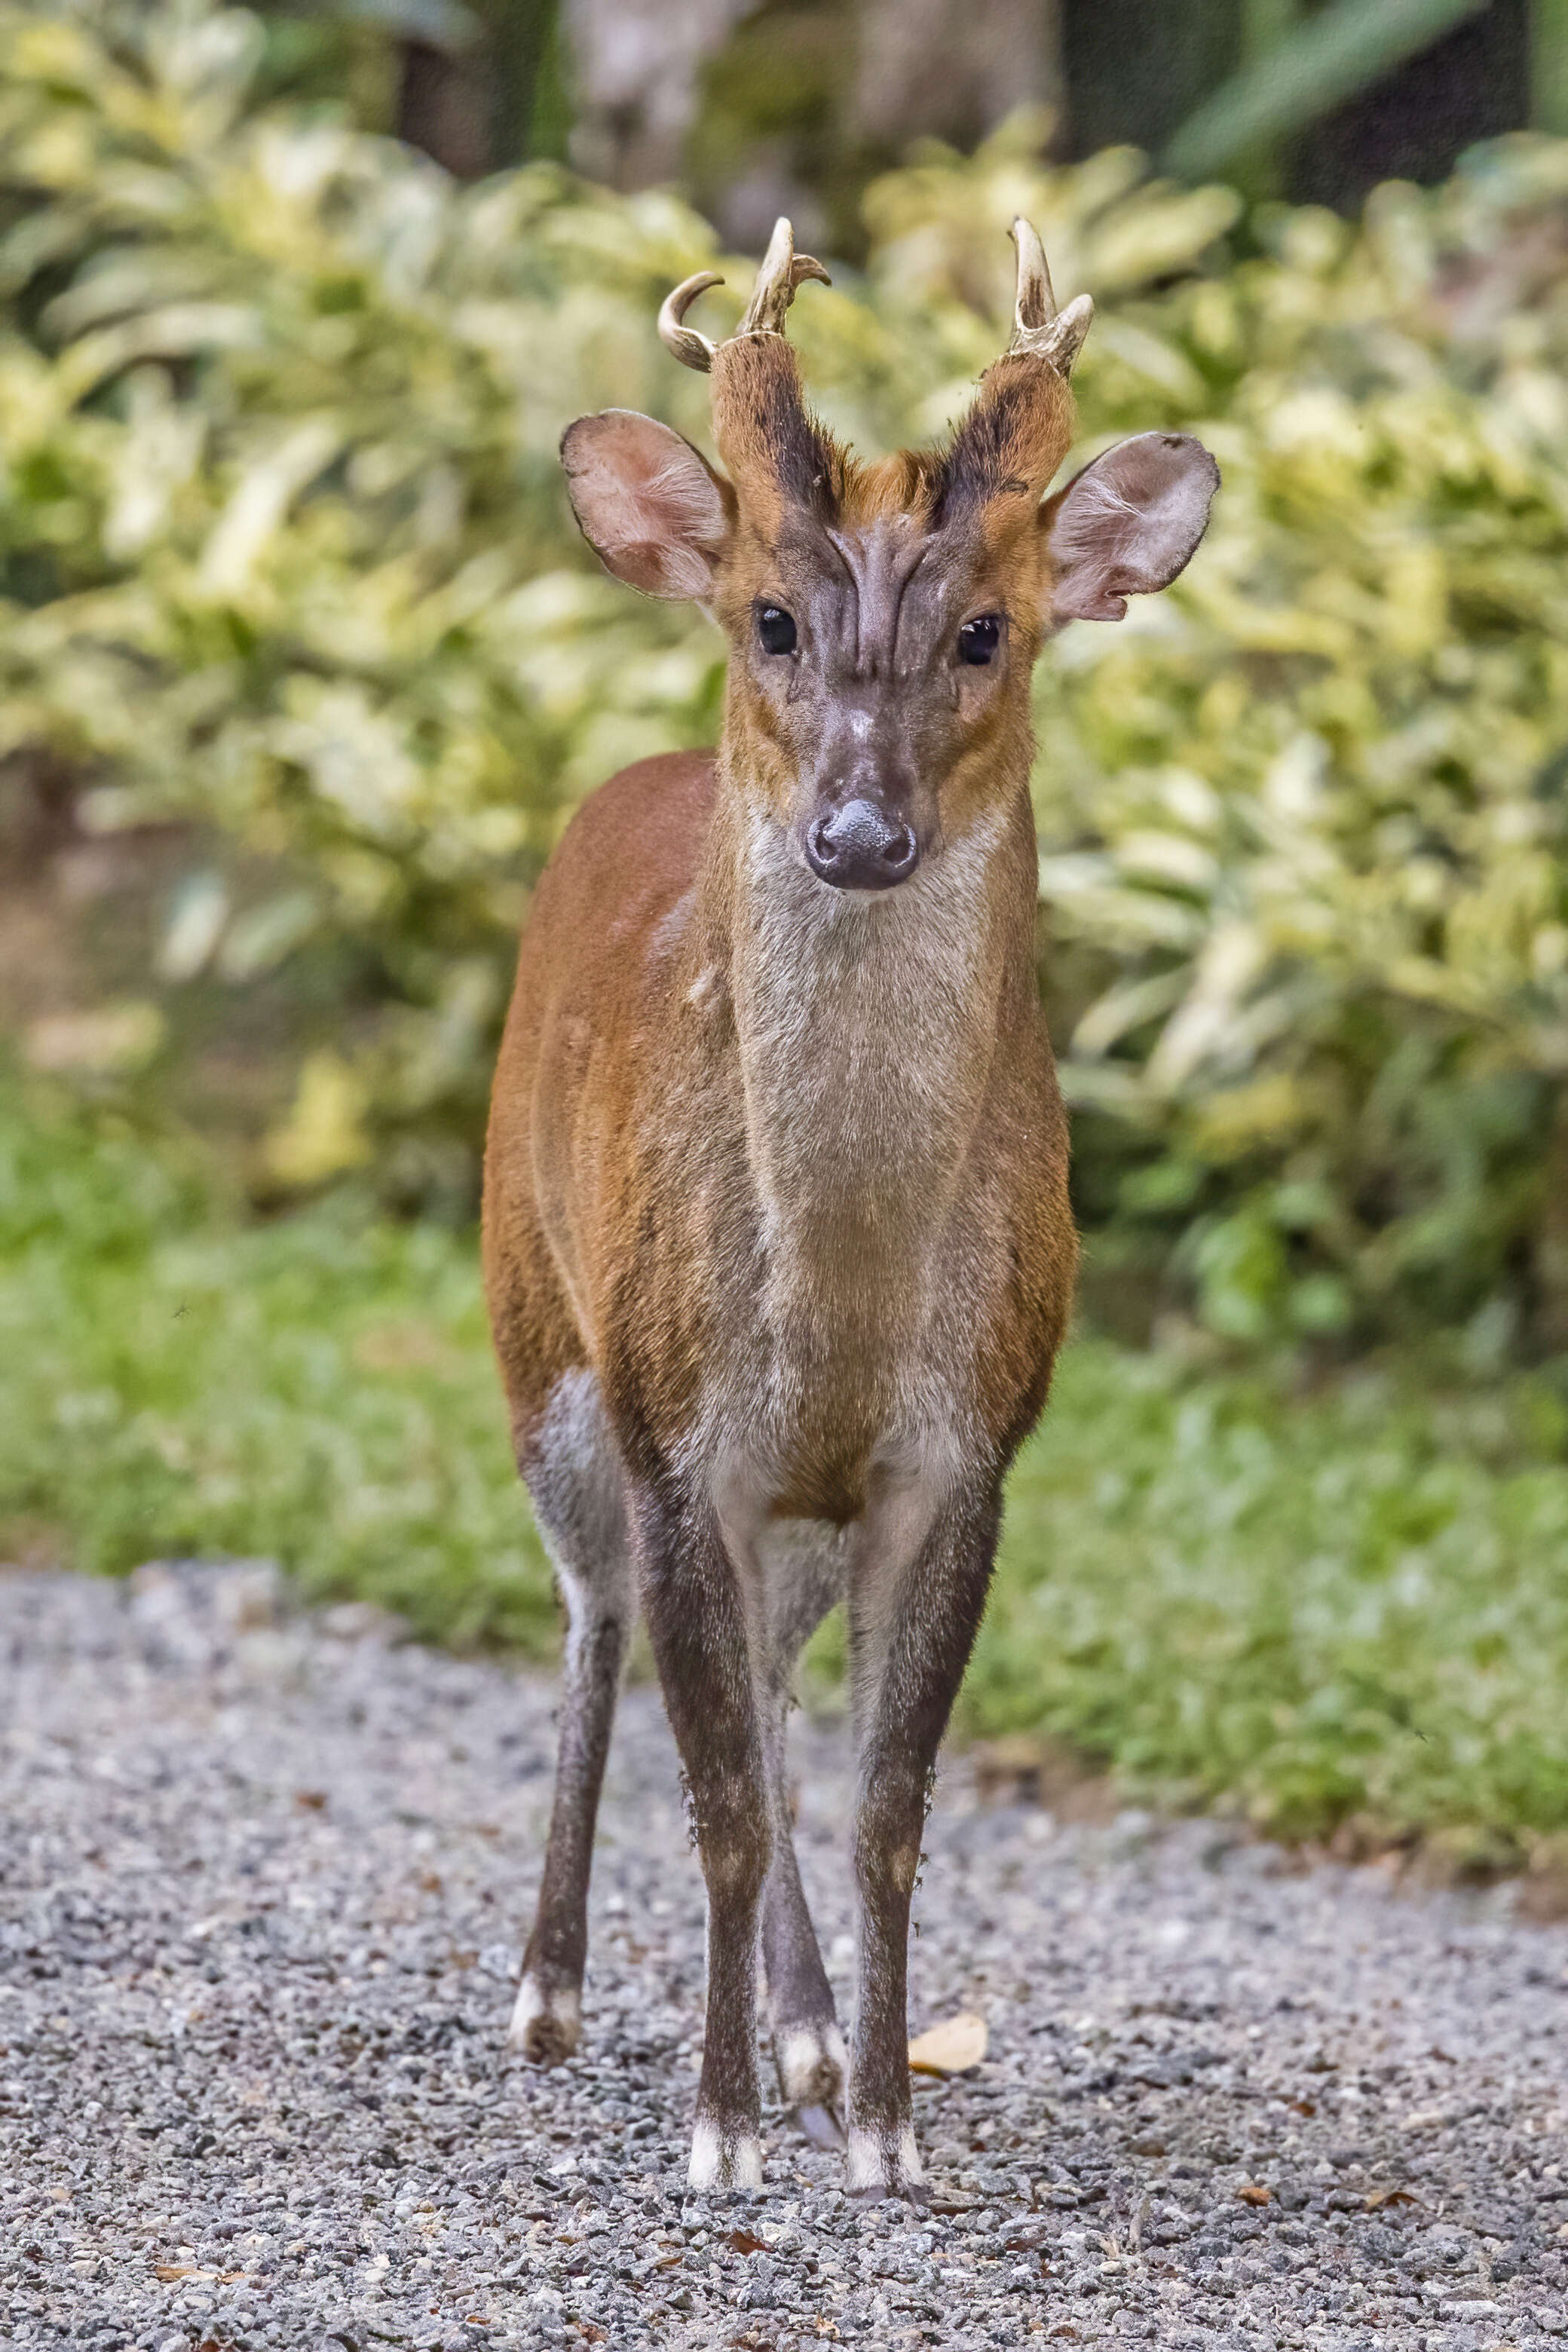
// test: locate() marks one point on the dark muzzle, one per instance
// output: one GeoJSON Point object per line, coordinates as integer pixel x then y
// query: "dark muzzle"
{"type": "Point", "coordinates": [860, 848]}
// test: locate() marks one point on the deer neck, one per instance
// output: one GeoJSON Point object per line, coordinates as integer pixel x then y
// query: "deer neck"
{"type": "Point", "coordinates": [866, 1027]}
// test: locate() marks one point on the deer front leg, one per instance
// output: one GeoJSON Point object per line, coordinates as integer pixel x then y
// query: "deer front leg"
{"type": "Point", "coordinates": [914, 1609]}
{"type": "Point", "coordinates": [692, 1600]}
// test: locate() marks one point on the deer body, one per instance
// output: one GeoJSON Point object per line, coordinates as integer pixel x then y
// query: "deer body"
{"type": "Point", "coordinates": [777, 1239]}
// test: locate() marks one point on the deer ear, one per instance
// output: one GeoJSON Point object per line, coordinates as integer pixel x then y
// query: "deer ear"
{"type": "Point", "coordinates": [1126, 525]}
{"type": "Point", "coordinates": [648, 503]}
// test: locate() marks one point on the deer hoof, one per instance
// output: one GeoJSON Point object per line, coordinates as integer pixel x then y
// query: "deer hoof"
{"type": "Point", "coordinates": [724, 2160]}
{"type": "Point", "coordinates": [545, 2023]}
{"type": "Point", "coordinates": [811, 2063]}
{"type": "Point", "coordinates": [884, 2164]}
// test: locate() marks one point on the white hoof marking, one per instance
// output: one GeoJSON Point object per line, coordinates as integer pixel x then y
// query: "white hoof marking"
{"type": "Point", "coordinates": [812, 2065]}
{"type": "Point", "coordinates": [562, 2008]}
{"type": "Point", "coordinates": [718, 2162]}
{"type": "Point", "coordinates": [876, 2162]}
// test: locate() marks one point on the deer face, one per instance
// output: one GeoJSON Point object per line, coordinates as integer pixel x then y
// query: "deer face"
{"type": "Point", "coordinates": [879, 667]}
{"type": "Point", "coordinates": [883, 619]}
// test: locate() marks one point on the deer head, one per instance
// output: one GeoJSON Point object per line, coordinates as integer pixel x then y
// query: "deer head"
{"type": "Point", "coordinates": [883, 618]}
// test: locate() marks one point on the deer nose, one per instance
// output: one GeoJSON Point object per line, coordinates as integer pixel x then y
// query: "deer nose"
{"type": "Point", "coordinates": [860, 848]}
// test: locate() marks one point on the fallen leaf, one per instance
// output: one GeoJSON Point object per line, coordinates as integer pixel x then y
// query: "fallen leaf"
{"type": "Point", "coordinates": [1305, 2106]}
{"type": "Point", "coordinates": [742, 2242]}
{"type": "Point", "coordinates": [311, 1800]}
{"type": "Point", "coordinates": [1252, 2192]}
{"type": "Point", "coordinates": [951, 2048]}
{"type": "Point", "coordinates": [1377, 2197]}
{"type": "Point", "coordinates": [169, 2270]}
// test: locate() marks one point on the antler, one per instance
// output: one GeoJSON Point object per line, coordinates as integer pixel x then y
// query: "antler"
{"type": "Point", "coordinates": [782, 271]}
{"type": "Point", "coordinates": [692, 350]}
{"type": "Point", "coordinates": [1055, 336]}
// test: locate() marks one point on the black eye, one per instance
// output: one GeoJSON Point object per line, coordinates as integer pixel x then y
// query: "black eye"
{"type": "Point", "coordinates": [775, 629]}
{"type": "Point", "coordinates": [978, 640]}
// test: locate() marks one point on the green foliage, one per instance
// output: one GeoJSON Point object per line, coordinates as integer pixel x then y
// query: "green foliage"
{"type": "Point", "coordinates": [1340, 1604]}
{"type": "Point", "coordinates": [282, 529]}
{"type": "Point", "coordinates": [1308, 821]}
{"type": "Point", "coordinates": [284, 552]}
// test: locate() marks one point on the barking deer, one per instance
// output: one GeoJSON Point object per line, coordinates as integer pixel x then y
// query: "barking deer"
{"type": "Point", "coordinates": [777, 1241]}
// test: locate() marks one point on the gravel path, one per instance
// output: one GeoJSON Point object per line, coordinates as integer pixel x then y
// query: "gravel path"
{"type": "Point", "coordinates": [263, 1880]}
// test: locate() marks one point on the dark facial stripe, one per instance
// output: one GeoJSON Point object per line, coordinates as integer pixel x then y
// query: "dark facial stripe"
{"type": "Point", "coordinates": [880, 563]}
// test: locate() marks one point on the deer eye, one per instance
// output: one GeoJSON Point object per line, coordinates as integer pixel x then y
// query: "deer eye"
{"type": "Point", "coordinates": [775, 629]}
{"type": "Point", "coordinates": [978, 639]}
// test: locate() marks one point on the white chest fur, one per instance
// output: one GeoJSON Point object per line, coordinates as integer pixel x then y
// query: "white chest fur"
{"type": "Point", "coordinates": [867, 1028]}
{"type": "Point", "coordinates": [867, 1024]}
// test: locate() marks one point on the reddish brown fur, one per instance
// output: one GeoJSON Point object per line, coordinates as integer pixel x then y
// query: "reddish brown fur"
{"type": "Point", "coordinates": [595, 1241]}
{"type": "Point", "coordinates": [576, 1270]}
{"type": "Point", "coordinates": [776, 1231]}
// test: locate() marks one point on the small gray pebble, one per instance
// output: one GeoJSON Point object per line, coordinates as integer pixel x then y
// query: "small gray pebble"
{"type": "Point", "coordinates": [263, 1881]}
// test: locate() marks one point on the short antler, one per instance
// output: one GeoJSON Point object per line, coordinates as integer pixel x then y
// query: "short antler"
{"type": "Point", "coordinates": [692, 350]}
{"type": "Point", "coordinates": [1039, 327]}
{"type": "Point", "coordinates": [782, 271]}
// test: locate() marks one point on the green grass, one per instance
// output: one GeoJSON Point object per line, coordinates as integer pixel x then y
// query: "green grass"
{"type": "Point", "coordinates": [1354, 1603]}
{"type": "Point", "coordinates": [320, 1390]}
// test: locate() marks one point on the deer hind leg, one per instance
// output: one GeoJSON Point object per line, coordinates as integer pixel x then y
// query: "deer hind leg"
{"type": "Point", "coordinates": [915, 1604]}
{"type": "Point", "coordinates": [696, 1613]}
{"type": "Point", "coordinates": [574, 1478]}
{"type": "Point", "coordinates": [803, 1577]}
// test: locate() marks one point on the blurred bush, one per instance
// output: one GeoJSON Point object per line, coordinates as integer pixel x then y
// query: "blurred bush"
{"type": "Point", "coordinates": [286, 559]}
{"type": "Point", "coordinates": [1305, 819]}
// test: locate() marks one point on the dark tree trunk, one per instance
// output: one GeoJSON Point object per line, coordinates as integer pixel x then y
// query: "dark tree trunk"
{"type": "Point", "coordinates": [441, 108]}
{"type": "Point", "coordinates": [478, 109]}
